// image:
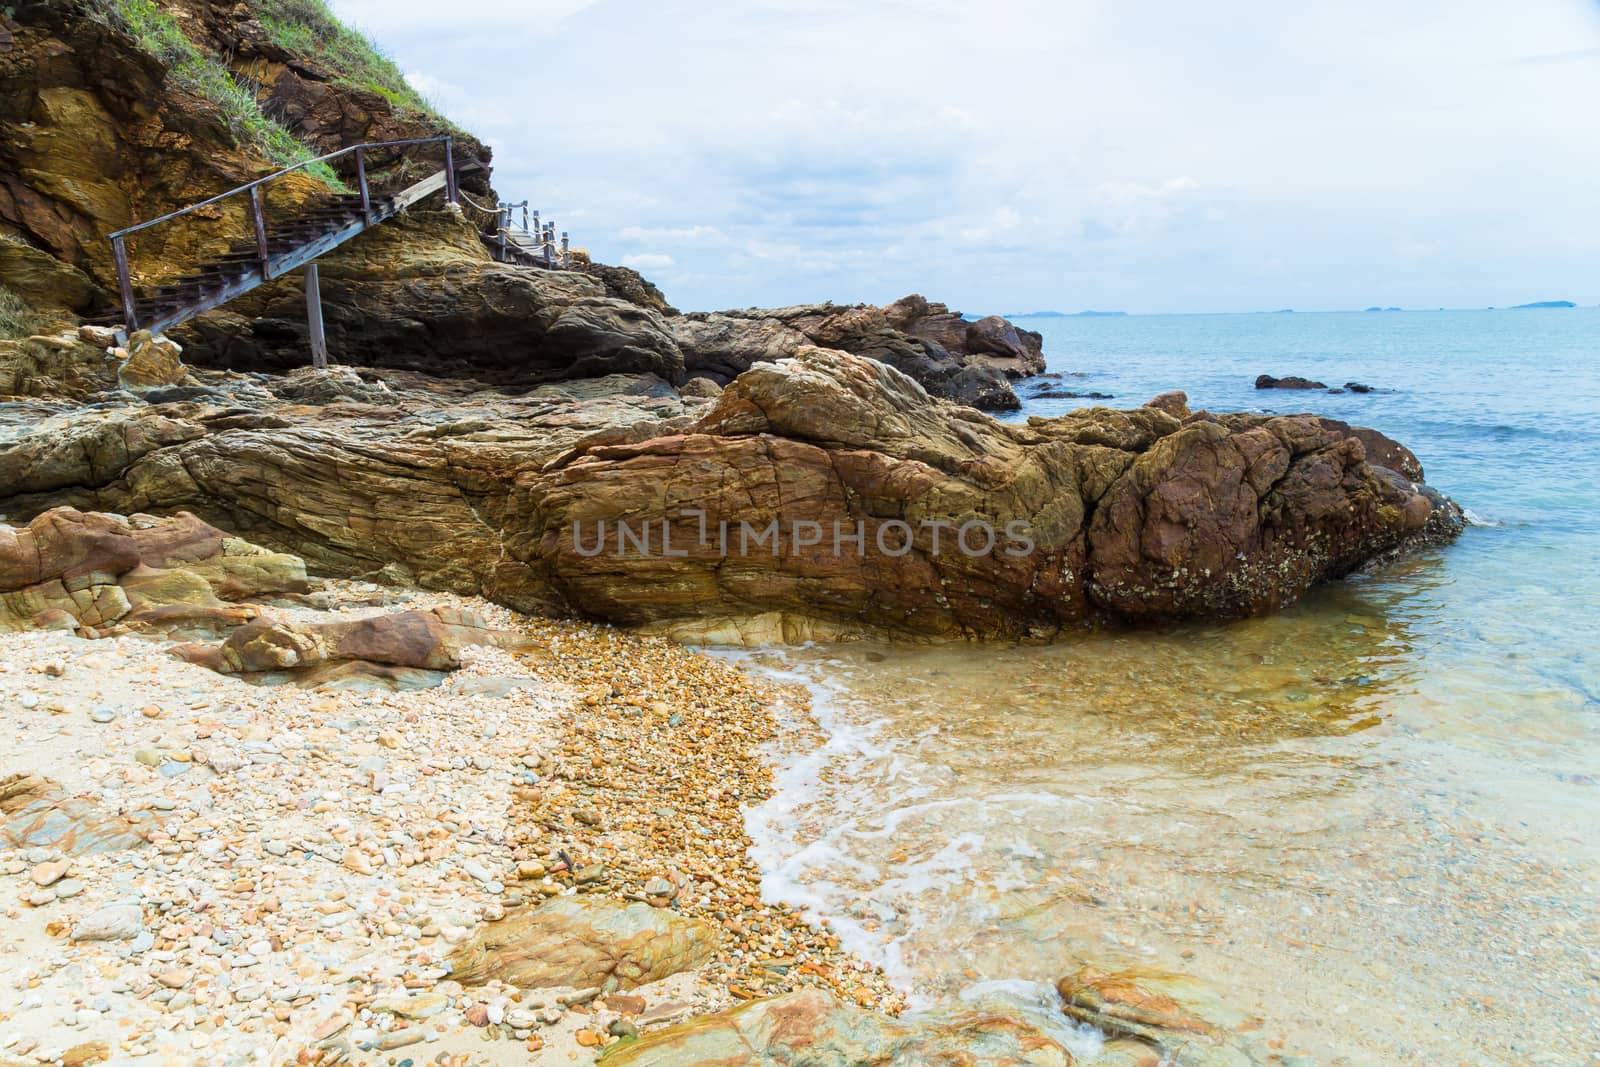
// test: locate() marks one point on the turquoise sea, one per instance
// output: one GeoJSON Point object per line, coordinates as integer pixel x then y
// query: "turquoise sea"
{"type": "Point", "coordinates": [1373, 821]}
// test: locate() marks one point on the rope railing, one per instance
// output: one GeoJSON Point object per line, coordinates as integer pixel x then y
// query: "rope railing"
{"type": "Point", "coordinates": [532, 238]}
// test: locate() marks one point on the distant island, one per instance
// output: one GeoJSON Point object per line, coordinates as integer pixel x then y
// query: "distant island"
{"type": "Point", "coordinates": [1544, 304]}
{"type": "Point", "coordinates": [1376, 308]}
{"type": "Point", "coordinates": [1068, 315]}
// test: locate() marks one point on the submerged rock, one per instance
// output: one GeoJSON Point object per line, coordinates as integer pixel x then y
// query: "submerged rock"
{"type": "Point", "coordinates": [583, 942]}
{"type": "Point", "coordinates": [812, 1029]}
{"type": "Point", "coordinates": [1267, 381]}
{"type": "Point", "coordinates": [1156, 1019]}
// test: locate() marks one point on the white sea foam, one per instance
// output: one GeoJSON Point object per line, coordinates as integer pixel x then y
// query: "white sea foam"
{"type": "Point", "coordinates": [808, 840]}
{"type": "Point", "coordinates": [1474, 519]}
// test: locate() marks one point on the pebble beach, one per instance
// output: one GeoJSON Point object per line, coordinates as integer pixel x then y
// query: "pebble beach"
{"type": "Point", "coordinates": [304, 862]}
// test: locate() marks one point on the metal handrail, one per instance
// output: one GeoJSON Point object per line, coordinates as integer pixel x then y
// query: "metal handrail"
{"type": "Point", "coordinates": [118, 239]}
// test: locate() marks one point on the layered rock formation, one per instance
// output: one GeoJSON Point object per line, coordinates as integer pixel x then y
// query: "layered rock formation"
{"type": "Point", "coordinates": [721, 516]}
{"type": "Point", "coordinates": [93, 571]}
{"type": "Point", "coordinates": [968, 362]}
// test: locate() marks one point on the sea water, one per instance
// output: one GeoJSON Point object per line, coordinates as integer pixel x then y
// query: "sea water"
{"type": "Point", "coordinates": [1371, 821]}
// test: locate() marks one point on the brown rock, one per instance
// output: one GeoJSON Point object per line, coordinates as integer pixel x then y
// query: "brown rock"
{"type": "Point", "coordinates": [39, 814]}
{"type": "Point", "coordinates": [1172, 1017]}
{"type": "Point", "coordinates": [1175, 403]}
{"type": "Point", "coordinates": [951, 358]}
{"type": "Point", "coordinates": [101, 569]}
{"type": "Point", "coordinates": [1267, 381]}
{"type": "Point", "coordinates": [583, 942]}
{"type": "Point", "coordinates": [1097, 516]}
{"type": "Point", "coordinates": [151, 361]}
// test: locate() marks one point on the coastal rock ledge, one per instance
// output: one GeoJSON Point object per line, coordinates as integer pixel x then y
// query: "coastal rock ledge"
{"type": "Point", "coordinates": [821, 496]}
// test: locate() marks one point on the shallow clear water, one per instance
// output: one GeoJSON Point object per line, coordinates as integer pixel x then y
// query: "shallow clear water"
{"type": "Point", "coordinates": [1370, 821]}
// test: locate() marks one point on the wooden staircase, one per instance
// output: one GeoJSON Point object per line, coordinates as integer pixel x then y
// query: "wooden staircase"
{"type": "Point", "coordinates": [276, 248]}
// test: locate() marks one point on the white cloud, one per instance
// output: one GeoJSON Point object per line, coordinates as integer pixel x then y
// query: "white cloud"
{"type": "Point", "coordinates": [678, 235]}
{"type": "Point", "coordinates": [647, 261]}
{"type": "Point", "coordinates": [1142, 154]}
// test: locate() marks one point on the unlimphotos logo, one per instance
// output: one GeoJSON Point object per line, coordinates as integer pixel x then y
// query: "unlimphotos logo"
{"type": "Point", "coordinates": [695, 535]}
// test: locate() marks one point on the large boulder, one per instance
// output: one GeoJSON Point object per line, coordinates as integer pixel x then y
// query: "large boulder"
{"type": "Point", "coordinates": [825, 494]}
{"type": "Point", "coordinates": [91, 571]}
{"type": "Point", "coordinates": [35, 812]}
{"type": "Point", "coordinates": [812, 1029]}
{"type": "Point", "coordinates": [57, 365]}
{"type": "Point", "coordinates": [427, 640]}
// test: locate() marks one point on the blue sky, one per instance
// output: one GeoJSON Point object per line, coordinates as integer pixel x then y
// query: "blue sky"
{"type": "Point", "coordinates": [1024, 154]}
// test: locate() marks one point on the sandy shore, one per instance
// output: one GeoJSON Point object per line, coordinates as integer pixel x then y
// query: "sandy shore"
{"type": "Point", "coordinates": [311, 858]}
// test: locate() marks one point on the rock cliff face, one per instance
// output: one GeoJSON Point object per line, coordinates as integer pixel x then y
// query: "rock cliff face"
{"type": "Point", "coordinates": [721, 517]}
{"type": "Point", "coordinates": [96, 132]}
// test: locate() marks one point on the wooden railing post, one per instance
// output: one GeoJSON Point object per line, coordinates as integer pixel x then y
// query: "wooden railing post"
{"type": "Point", "coordinates": [549, 244]}
{"type": "Point", "coordinates": [565, 250]}
{"type": "Point", "coordinates": [361, 177]}
{"type": "Point", "coordinates": [125, 284]}
{"type": "Point", "coordinates": [505, 227]}
{"type": "Point", "coordinates": [261, 231]}
{"type": "Point", "coordinates": [319, 341]}
{"type": "Point", "coordinates": [451, 193]}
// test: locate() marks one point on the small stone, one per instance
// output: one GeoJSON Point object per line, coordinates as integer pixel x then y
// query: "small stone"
{"type": "Point", "coordinates": [398, 1039]}
{"type": "Point", "coordinates": [102, 715]}
{"type": "Point", "coordinates": [477, 1015]}
{"type": "Point", "coordinates": [421, 1006]}
{"type": "Point", "coordinates": [68, 888]}
{"type": "Point", "coordinates": [622, 1028]}
{"type": "Point", "coordinates": [625, 1004]}
{"type": "Point", "coordinates": [49, 873]}
{"type": "Point", "coordinates": [175, 977]}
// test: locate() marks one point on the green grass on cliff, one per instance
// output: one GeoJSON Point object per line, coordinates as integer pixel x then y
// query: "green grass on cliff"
{"type": "Point", "coordinates": [16, 317]}
{"type": "Point", "coordinates": [159, 34]}
{"type": "Point", "coordinates": [309, 28]}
